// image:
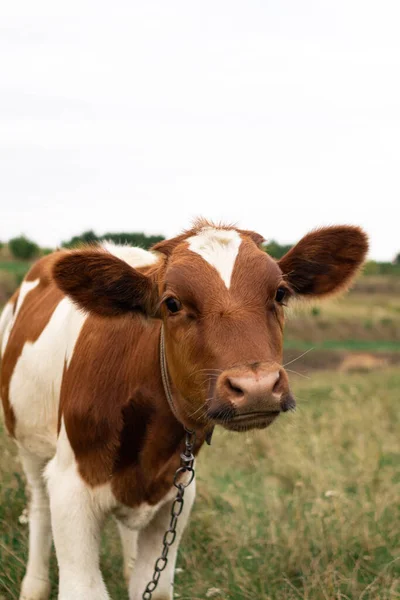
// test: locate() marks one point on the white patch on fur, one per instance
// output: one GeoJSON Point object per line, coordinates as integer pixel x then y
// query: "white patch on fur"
{"type": "Point", "coordinates": [36, 584]}
{"type": "Point", "coordinates": [219, 247]}
{"type": "Point", "coordinates": [77, 514]}
{"type": "Point", "coordinates": [135, 257]}
{"type": "Point", "coordinates": [139, 517]}
{"type": "Point", "coordinates": [6, 321]}
{"type": "Point", "coordinates": [129, 541]}
{"type": "Point", "coordinates": [36, 382]}
{"type": "Point", "coordinates": [25, 288]}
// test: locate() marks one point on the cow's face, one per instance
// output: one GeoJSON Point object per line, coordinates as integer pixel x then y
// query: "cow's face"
{"type": "Point", "coordinates": [222, 307]}
{"type": "Point", "coordinates": [221, 299]}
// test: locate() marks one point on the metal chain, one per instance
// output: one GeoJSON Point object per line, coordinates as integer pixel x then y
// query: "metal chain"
{"type": "Point", "coordinates": [187, 462]}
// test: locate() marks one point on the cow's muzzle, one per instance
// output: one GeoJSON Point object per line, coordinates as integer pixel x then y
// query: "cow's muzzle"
{"type": "Point", "coordinates": [250, 397]}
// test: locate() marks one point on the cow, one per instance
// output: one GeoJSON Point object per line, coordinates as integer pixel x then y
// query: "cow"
{"type": "Point", "coordinates": [83, 393]}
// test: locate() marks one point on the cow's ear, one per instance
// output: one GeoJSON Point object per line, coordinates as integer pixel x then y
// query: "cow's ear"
{"type": "Point", "coordinates": [101, 283]}
{"type": "Point", "coordinates": [325, 261]}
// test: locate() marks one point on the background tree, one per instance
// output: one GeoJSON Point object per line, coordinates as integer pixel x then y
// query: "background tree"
{"type": "Point", "coordinates": [23, 248]}
{"type": "Point", "coordinates": [87, 237]}
{"type": "Point", "coordinates": [277, 250]}
{"type": "Point", "coordinates": [133, 239]}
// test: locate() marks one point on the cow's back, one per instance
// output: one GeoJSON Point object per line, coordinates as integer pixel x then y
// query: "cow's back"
{"type": "Point", "coordinates": [39, 329]}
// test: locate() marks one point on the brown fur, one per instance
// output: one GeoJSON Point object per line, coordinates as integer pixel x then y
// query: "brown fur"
{"type": "Point", "coordinates": [325, 261]}
{"type": "Point", "coordinates": [116, 416]}
{"type": "Point", "coordinates": [103, 284]}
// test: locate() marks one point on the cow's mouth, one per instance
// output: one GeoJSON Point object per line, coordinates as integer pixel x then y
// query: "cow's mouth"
{"type": "Point", "coordinates": [247, 421]}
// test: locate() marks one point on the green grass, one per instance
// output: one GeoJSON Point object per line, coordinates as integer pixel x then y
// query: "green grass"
{"type": "Point", "coordinates": [365, 319]}
{"type": "Point", "coordinates": [308, 509]}
{"type": "Point", "coordinates": [18, 267]}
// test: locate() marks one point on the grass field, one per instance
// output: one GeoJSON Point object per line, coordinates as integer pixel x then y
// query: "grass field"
{"type": "Point", "coordinates": [367, 318]}
{"type": "Point", "coordinates": [308, 509]}
{"type": "Point", "coordinates": [17, 267]}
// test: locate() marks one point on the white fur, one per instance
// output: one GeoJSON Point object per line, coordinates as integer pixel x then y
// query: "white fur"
{"type": "Point", "coordinates": [6, 321]}
{"type": "Point", "coordinates": [8, 315]}
{"type": "Point", "coordinates": [219, 247]}
{"type": "Point", "coordinates": [36, 381]}
{"type": "Point", "coordinates": [135, 257]}
{"type": "Point", "coordinates": [25, 288]}
{"type": "Point", "coordinates": [36, 584]}
{"type": "Point", "coordinates": [138, 518]}
{"type": "Point", "coordinates": [129, 541]}
{"type": "Point", "coordinates": [77, 513]}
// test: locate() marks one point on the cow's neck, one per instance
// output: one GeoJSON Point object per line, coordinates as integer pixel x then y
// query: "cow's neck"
{"type": "Point", "coordinates": [149, 475]}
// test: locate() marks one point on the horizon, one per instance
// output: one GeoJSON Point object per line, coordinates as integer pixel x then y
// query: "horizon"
{"type": "Point", "coordinates": [102, 236]}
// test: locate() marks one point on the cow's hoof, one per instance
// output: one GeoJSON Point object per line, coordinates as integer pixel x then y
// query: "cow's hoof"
{"type": "Point", "coordinates": [34, 589]}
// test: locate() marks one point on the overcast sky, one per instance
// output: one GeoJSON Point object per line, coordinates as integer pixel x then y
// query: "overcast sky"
{"type": "Point", "coordinates": [278, 115]}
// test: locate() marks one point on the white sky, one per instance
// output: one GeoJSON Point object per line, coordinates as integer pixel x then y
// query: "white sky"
{"type": "Point", "coordinates": [278, 115]}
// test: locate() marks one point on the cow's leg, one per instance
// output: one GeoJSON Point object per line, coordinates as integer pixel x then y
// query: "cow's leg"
{"type": "Point", "coordinates": [129, 539]}
{"type": "Point", "coordinates": [150, 547]}
{"type": "Point", "coordinates": [36, 585]}
{"type": "Point", "coordinates": [77, 515]}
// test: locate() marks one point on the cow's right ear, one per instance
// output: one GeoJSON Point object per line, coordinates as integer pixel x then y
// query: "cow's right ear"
{"type": "Point", "coordinates": [101, 283]}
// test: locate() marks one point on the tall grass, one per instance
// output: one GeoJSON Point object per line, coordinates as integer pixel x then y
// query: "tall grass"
{"type": "Point", "coordinates": [308, 509]}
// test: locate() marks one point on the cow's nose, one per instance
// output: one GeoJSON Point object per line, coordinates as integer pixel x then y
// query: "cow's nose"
{"type": "Point", "coordinates": [251, 386]}
{"type": "Point", "coordinates": [250, 390]}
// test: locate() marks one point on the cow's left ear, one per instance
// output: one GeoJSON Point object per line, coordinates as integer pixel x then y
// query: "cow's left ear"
{"type": "Point", "coordinates": [325, 261]}
{"type": "Point", "coordinates": [101, 283]}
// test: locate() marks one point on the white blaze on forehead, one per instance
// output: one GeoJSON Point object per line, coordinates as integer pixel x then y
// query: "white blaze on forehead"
{"type": "Point", "coordinates": [219, 247]}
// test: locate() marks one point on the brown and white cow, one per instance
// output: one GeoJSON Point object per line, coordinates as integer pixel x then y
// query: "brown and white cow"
{"type": "Point", "coordinates": [83, 395]}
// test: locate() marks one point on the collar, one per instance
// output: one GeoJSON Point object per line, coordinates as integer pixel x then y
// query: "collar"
{"type": "Point", "coordinates": [167, 387]}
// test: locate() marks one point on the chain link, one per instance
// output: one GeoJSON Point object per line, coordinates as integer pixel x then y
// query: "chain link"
{"type": "Point", "coordinates": [186, 466]}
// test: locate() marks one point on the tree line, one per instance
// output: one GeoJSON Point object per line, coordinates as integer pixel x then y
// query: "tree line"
{"type": "Point", "coordinates": [23, 248]}
{"type": "Point", "coordinates": [133, 239]}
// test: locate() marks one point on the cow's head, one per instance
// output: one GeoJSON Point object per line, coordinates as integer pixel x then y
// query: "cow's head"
{"type": "Point", "coordinates": [221, 299]}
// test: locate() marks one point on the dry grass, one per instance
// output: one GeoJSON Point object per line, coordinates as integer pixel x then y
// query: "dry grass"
{"type": "Point", "coordinates": [372, 317]}
{"type": "Point", "coordinates": [308, 509]}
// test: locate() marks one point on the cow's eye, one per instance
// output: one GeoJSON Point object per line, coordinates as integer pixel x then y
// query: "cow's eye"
{"type": "Point", "coordinates": [173, 305]}
{"type": "Point", "coordinates": [280, 295]}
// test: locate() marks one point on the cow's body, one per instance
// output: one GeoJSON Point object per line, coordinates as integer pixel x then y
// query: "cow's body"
{"type": "Point", "coordinates": [107, 363]}
{"type": "Point", "coordinates": [83, 394]}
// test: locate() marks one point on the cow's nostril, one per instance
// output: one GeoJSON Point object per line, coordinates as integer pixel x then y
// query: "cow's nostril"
{"type": "Point", "coordinates": [288, 403]}
{"type": "Point", "coordinates": [275, 389]}
{"type": "Point", "coordinates": [234, 388]}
